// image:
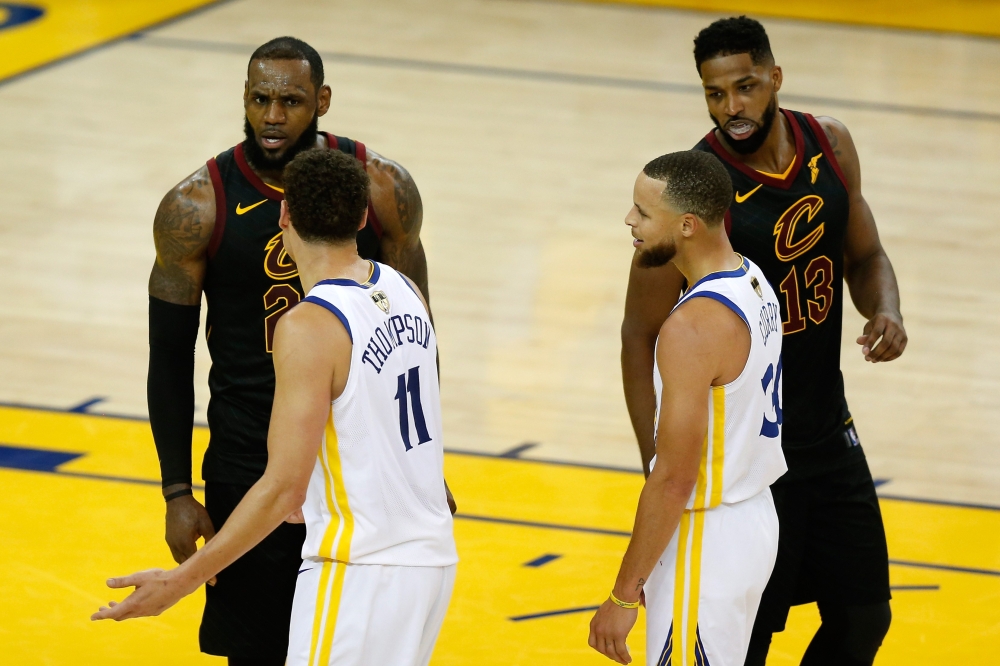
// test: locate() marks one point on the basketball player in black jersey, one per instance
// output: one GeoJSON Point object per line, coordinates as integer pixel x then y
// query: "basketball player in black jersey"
{"type": "Point", "coordinates": [217, 232]}
{"type": "Point", "coordinates": [799, 214]}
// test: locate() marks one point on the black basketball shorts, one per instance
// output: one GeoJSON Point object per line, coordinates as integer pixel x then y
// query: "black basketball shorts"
{"type": "Point", "coordinates": [248, 610]}
{"type": "Point", "coordinates": [831, 542]}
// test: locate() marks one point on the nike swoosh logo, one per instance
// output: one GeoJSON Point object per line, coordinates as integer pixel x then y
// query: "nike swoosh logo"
{"type": "Point", "coordinates": [304, 570]}
{"type": "Point", "coordinates": [240, 209]}
{"type": "Point", "coordinates": [739, 199]}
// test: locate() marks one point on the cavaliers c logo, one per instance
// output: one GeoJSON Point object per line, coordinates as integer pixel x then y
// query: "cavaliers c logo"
{"type": "Point", "coordinates": [277, 264]}
{"type": "Point", "coordinates": [785, 245]}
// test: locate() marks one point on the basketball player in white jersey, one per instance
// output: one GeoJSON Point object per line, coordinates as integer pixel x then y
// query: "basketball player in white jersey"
{"type": "Point", "coordinates": [706, 532]}
{"type": "Point", "coordinates": [354, 448]}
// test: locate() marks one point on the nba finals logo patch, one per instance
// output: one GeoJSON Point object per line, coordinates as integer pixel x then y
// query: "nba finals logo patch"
{"type": "Point", "coordinates": [756, 286]}
{"type": "Point", "coordinates": [381, 300]}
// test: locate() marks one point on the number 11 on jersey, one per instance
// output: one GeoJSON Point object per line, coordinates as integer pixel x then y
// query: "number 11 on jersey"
{"type": "Point", "coordinates": [409, 382]}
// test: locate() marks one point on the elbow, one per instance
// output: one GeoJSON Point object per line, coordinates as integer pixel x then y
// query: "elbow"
{"type": "Point", "coordinates": [677, 488]}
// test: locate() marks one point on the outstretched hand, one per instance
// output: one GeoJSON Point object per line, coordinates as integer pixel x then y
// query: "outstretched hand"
{"type": "Point", "coordinates": [609, 628]}
{"type": "Point", "coordinates": [884, 338]}
{"type": "Point", "coordinates": [155, 591]}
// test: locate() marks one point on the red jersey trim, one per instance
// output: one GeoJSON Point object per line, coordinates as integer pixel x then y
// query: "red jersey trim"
{"type": "Point", "coordinates": [780, 183]}
{"type": "Point", "coordinates": [220, 208]}
{"type": "Point", "coordinates": [824, 143]}
{"type": "Point", "coordinates": [259, 185]}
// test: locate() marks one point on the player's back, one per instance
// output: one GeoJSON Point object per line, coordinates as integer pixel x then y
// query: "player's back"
{"type": "Point", "coordinates": [742, 452]}
{"type": "Point", "coordinates": [377, 492]}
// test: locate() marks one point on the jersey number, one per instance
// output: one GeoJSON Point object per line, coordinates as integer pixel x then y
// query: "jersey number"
{"type": "Point", "coordinates": [410, 383]}
{"type": "Point", "coordinates": [287, 297]}
{"type": "Point", "coordinates": [772, 428]}
{"type": "Point", "coordinates": [819, 276]}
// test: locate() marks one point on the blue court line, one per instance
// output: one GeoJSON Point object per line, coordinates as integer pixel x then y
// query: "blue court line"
{"type": "Point", "coordinates": [565, 611]}
{"type": "Point", "coordinates": [499, 456]}
{"type": "Point", "coordinates": [543, 76]}
{"type": "Point", "coordinates": [542, 561]}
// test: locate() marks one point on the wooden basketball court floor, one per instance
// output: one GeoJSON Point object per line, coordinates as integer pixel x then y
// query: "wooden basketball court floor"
{"type": "Point", "coordinates": [524, 124]}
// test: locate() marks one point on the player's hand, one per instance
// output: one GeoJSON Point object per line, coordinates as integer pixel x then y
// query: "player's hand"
{"type": "Point", "coordinates": [884, 337]}
{"type": "Point", "coordinates": [155, 591]}
{"type": "Point", "coordinates": [187, 520]}
{"type": "Point", "coordinates": [451, 499]}
{"type": "Point", "coordinates": [609, 629]}
{"type": "Point", "coordinates": [296, 517]}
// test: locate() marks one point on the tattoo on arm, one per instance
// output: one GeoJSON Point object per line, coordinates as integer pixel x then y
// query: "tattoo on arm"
{"type": "Point", "coordinates": [182, 229]}
{"type": "Point", "coordinates": [642, 581]}
{"type": "Point", "coordinates": [834, 141]}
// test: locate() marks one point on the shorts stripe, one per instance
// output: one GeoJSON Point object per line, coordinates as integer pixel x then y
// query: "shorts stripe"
{"type": "Point", "coordinates": [322, 598]}
{"type": "Point", "coordinates": [336, 544]}
{"type": "Point", "coordinates": [340, 570]}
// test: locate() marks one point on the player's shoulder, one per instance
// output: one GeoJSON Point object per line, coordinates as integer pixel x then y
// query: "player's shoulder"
{"type": "Point", "coordinates": [312, 322]}
{"type": "Point", "coordinates": [834, 129]}
{"type": "Point", "coordinates": [185, 218]}
{"type": "Point", "coordinates": [700, 321]}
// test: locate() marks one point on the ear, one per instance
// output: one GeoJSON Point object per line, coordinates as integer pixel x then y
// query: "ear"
{"type": "Point", "coordinates": [283, 220]}
{"type": "Point", "coordinates": [689, 225]}
{"type": "Point", "coordinates": [323, 105]}
{"type": "Point", "coordinates": [364, 219]}
{"type": "Point", "coordinates": [776, 78]}
{"type": "Point", "coordinates": [246, 92]}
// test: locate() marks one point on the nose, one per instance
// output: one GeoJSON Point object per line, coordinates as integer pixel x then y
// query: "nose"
{"type": "Point", "coordinates": [275, 113]}
{"type": "Point", "coordinates": [733, 106]}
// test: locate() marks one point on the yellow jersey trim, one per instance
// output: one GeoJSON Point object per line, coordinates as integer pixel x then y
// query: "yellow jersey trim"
{"type": "Point", "coordinates": [783, 175]}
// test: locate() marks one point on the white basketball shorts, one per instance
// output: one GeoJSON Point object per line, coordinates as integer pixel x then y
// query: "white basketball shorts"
{"type": "Point", "coordinates": [701, 604]}
{"type": "Point", "coordinates": [364, 614]}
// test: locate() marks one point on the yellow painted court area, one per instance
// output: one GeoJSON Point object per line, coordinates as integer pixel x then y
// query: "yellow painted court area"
{"type": "Point", "coordinates": [975, 17]}
{"type": "Point", "coordinates": [55, 29]}
{"type": "Point", "coordinates": [67, 530]}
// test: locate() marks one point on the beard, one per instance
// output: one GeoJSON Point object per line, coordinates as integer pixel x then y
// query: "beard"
{"type": "Point", "coordinates": [752, 143]}
{"type": "Point", "coordinates": [260, 160]}
{"type": "Point", "coordinates": [657, 255]}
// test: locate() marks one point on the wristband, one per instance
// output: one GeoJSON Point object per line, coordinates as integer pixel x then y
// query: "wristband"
{"type": "Point", "coordinates": [624, 604]}
{"type": "Point", "coordinates": [178, 493]}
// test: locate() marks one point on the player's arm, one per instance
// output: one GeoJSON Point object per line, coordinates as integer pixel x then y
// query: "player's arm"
{"type": "Point", "coordinates": [692, 353]}
{"type": "Point", "coordinates": [312, 357]}
{"type": "Point", "coordinates": [182, 230]}
{"type": "Point", "coordinates": [867, 268]}
{"type": "Point", "coordinates": [401, 212]}
{"type": "Point", "coordinates": [652, 292]}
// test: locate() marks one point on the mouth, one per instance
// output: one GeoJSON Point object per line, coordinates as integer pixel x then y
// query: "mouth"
{"type": "Point", "coordinates": [740, 129]}
{"type": "Point", "coordinates": [636, 242]}
{"type": "Point", "coordinates": [272, 140]}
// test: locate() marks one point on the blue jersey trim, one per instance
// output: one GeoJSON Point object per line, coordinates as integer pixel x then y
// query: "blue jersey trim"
{"type": "Point", "coordinates": [332, 308]}
{"type": "Point", "coordinates": [736, 272]}
{"type": "Point", "coordinates": [722, 299]}
{"type": "Point", "coordinates": [344, 282]}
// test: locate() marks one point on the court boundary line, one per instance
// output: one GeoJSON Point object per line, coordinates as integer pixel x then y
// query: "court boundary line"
{"type": "Point", "coordinates": [499, 456]}
{"type": "Point", "coordinates": [515, 522]}
{"type": "Point", "coordinates": [112, 41]}
{"type": "Point", "coordinates": [549, 76]}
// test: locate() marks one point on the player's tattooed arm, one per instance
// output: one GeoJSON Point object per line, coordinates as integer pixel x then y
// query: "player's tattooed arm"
{"type": "Point", "coordinates": [400, 210]}
{"type": "Point", "coordinates": [182, 230]}
{"type": "Point", "coordinates": [867, 269]}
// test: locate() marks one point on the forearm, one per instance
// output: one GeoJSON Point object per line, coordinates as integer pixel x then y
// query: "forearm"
{"type": "Point", "coordinates": [661, 505]}
{"type": "Point", "coordinates": [873, 286]}
{"type": "Point", "coordinates": [173, 330]}
{"type": "Point", "coordinates": [640, 393]}
{"type": "Point", "coordinates": [261, 510]}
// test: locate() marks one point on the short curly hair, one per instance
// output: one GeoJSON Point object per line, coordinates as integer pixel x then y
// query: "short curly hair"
{"type": "Point", "coordinates": [732, 36]}
{"type": "Point", "coordinates": [327, 193]}
{"type": "Point", "coordinates": [696, 183]}
{"type": "Point", "coordinates": [290, 48]}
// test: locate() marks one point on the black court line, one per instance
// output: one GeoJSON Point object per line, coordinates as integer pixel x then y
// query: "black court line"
{"type": "Point", "coordinates": [915, 588]}
{"type": "Point", "coordinates": [543, 76]}
{"type": "Point", "coordinates": [112, 41]}
{"type": "Point", "coordinates": [565, 611]}
{"type": "Point", "coordinates": [544, 526]}
{"type": "Point", "coordinates": [945, 567]}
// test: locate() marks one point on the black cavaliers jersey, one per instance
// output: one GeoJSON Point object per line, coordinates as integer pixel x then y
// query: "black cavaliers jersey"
{"type": "Point", "coordinates": [793, 226]}
{"type": "Point", "coordinates": [250, 282]}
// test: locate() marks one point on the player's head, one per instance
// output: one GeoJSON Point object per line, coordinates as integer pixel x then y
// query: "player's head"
{"type": "Point", "coordinates": [740, 79]}
{"type": "Point", "coordinates": [678, 198]}
{"type": "Point", "coordinates": [284, 97]}
{"type": "Point", "coordinates": [326, 199]}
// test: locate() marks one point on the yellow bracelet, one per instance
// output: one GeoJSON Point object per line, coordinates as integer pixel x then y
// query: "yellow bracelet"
{"type": "Point", "coordinates": [624, 604]}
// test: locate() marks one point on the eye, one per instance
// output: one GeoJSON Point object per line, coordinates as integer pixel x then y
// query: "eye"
{"type": "Point", "coordinates": [260, 99]}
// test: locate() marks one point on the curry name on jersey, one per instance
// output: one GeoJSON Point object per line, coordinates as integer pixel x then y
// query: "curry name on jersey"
{"type": "Point", "coordinates": [793, 226]}
{"type": "Point", "coordinates": [377, 494]}
{"type": "Point", "coordinates": [250, 282]}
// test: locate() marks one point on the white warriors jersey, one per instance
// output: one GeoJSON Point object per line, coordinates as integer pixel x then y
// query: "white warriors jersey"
{"type": "Point", "coordinates": [742, 451]}
{"type": "Point", "coordinates": [377, 494]}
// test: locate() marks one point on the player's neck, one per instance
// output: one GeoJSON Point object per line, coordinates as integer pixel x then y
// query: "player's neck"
{"type": "Point", "coordinates": [317, 262]}
{"type": "Point", "coordinates": [711, 255]}
{"type": "Point", "coordinates": [775, 154]}
{"type": "Point", "coordinates": [274, 177]}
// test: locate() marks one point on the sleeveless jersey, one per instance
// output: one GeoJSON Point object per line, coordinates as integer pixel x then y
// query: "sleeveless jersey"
{"type": "Point", "coordinates": [377, 494]}
{"type": "Point", "coordinates": [249, 283]}
{"type": "Point", "coordinates": [793, 227]}
{"type": "Point", "coordinates": [742, 451]}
